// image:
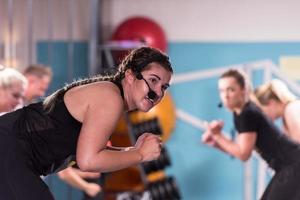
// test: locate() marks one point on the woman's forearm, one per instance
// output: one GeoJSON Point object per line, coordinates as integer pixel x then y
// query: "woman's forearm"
{"type": "Point", "coordinates": [111, 160]}
{"type": "Point", "coordinates": [228, 146]}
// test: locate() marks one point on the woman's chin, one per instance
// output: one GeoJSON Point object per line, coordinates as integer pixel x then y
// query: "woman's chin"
{"type": "Point", "coordinates": [145, 107]}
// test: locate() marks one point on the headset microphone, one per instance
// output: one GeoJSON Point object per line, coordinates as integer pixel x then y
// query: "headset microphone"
{"type": "Point", "coordinates": [220, 105]}
{"type": "Point", "coordinates": [151, 94]}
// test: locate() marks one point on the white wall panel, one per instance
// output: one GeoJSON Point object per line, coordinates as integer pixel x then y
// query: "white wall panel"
{"type": "Point", "coordinates": [214, 20]}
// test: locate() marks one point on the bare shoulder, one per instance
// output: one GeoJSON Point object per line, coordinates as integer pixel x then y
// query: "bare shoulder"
{"type": "Point", "coordinates": [103, 86]}
{"type": "Point", "coordinates": [98, 91]}
{"type": "Point", "coordinates": [102, 94]}
{"type": "Point", "coordinates": [103, 91]}
{"type": "Point", "coordinates": [292, 108]}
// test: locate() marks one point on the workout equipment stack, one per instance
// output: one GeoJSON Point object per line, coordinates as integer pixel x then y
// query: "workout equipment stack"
{"type": "Point", "coordinates": [158, 186]}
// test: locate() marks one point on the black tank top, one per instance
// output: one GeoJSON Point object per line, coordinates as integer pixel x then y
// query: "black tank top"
{"type": "Point", "coordinates": [271, 144]}
{"type": "Point", "coordinates": [50, 137]}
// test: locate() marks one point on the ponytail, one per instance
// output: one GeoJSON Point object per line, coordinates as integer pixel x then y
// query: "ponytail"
{"type": "Point", "coordinates": [275, 90]}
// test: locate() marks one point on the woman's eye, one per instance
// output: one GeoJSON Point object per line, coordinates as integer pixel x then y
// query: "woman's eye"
{"type": "Point", "coordinates": [164, 88]}
{"type": "Point", "coordinates": [17, 95]}
{"type": "Point", "coordinates": [153, 80]}
{"type": "Point", "coordinates": [231, 90]}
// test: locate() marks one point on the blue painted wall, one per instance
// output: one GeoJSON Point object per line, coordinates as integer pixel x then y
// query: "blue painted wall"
{"type": "Point", "coordinates": [55, 54]}
{"type": "Point", "coordinates": [201, 172]}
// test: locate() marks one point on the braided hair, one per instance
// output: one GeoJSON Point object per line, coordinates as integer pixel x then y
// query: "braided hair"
{"type": "Point", "coordinates": [137, 60]}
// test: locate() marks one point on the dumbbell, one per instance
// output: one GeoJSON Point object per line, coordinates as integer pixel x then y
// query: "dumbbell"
{"type": "Point", "coordinates": [150, 126]}
{"type": "Point", "coordinates": [164, 189]}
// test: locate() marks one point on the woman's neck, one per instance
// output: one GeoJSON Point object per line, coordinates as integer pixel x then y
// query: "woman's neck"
{"type": "Point", "coordinates": [127, 100]}
{"type": "Point", "coordinates": [239, 108]}
{"type": "Point", "coordinates": [281, 107]}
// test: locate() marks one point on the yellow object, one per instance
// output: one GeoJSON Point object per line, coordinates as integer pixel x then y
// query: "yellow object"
{"type": "Point", "coordinates": [156, 176]}
{"type": "Point", "coordinates": [71, 163]}
{"type": "Point", "coordinates": [290, 65]}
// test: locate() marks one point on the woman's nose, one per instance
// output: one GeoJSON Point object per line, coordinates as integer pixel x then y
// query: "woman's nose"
{"type": "Point", "coordinates": [159, 92]}
{"type": "Point", "coordinates": [226, 94]}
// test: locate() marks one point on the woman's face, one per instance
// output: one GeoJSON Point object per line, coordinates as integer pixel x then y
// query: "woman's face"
{"type": "Point", "coordinates": [158, 79]}
{"type": "Point", "coordinates": [231, 93]}
{"type": "Point", "coordinates": [11, 96]}
{"type": "Point", "coordinates": [38, 86]}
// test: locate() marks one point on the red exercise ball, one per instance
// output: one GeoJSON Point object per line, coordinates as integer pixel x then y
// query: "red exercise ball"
{"type": "Point", "coordinates": [142, 29]}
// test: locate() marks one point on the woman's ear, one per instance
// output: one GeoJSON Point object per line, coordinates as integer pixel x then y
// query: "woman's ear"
{"type": "Point", "coordinates": [129, 75]}
{"type": "Point", "coordinates": [272, 102]}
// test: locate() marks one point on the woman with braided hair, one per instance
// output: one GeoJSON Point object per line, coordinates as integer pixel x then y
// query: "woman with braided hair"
{"type": "Point", "coordinates": [74, 124]}
{"type": "Point", "coordinates": [277, 101]}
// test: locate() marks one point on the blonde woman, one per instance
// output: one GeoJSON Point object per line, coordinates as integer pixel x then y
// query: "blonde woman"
{"type": "Point", "coordinates": [277, 101]}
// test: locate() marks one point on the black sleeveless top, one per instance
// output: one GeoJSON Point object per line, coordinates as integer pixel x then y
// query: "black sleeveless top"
{"type": "Point", "coordinates": [274, 147]}
{"type": "Point", "coordinates": [49, 137]}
